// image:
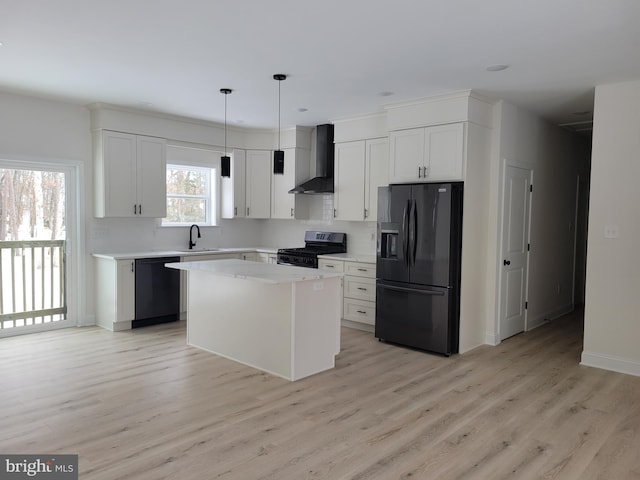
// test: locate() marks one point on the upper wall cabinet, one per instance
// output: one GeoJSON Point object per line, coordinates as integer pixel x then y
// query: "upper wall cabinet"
{"type": "Point", "coordinates": [376, 174]}
{"type": "Point", "coordinates": [129, 175]}
{"type": "Point", "coordinates": [427, 154]}
{"type": "Point", "coordinates": [234, 196]}
{"type": "Point", "coordinates": [296, 169]}
{"type": "Point", "coordinates": [360, 168]}
{"type": "Point", "coordinates": [258, 183]}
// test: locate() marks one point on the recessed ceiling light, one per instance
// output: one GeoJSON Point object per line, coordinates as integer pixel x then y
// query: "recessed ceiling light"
{"type": "Point", "coordinates": [386, 94]}
{"type": "Point", "coordinates": [497, 68]}
{"type": "Point", "coordinates": [302, 109]}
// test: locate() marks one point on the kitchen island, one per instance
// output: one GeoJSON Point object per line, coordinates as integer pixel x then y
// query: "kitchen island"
{"type": "Point", "coordinates": [280, 319]}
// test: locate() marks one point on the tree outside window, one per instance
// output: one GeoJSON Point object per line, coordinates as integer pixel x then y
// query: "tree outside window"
{"type": "Point", "coordinates": [189, 195]}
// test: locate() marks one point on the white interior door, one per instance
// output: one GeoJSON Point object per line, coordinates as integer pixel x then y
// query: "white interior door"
{"type": "Point", "coordinates": [515, 251]}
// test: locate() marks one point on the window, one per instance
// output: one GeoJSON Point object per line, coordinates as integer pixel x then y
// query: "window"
{"type": "Point", "coordinates": [192, 195]}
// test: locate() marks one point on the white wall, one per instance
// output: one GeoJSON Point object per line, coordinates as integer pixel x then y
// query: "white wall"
{"type": "Point", "coordinates": [555, 156]}
{"type": "Point", "coordinates": [612, 303]}
{"type": "Point", "coordinates": [50, 132]}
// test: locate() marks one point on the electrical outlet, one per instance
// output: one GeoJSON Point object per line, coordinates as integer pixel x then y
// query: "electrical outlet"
{"type": "Point", "coordinates": [611, 231]}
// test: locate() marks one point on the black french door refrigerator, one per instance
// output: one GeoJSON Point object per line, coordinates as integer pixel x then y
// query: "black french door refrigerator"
{"type": "Point", "coordinates": [418, 265]}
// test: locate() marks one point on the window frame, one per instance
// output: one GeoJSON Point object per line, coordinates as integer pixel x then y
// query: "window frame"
{"type": "Point", "coordinates": [193, 158]}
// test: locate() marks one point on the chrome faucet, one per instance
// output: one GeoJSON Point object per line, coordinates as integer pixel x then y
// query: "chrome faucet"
{"type": "Point", "coordinates": [191, 242]}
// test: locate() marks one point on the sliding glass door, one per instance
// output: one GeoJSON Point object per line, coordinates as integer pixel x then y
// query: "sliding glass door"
{"type": "Point", "coordinates": [33, 249]}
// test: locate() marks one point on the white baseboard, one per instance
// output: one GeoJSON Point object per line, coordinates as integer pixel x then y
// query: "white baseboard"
{"type": "Point", "coordinates": [87, 321]}
{"type": "Point", "coordinates": [491, 339]}
{"type": "Point", "coordinates": [540, 320]}
{"type": "Point", "coordinates": [610, 362]}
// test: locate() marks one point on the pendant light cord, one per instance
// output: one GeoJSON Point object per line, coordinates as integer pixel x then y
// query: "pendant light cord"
{"type": "Point", "coordinates": [279, 77]}
{"type": "Point", "coordinates": [226, 92]}
{"type": "Point", "coordinates": [225, 124]}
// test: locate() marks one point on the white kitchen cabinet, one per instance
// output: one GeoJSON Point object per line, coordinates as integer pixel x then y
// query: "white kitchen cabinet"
{"type": "Point", "coordinates": [331, 265]}
{"type": "Point", "coordinates": [129, 175]}
{"type": "Point", "coordinates": [349, 178]}
{"type": "Point", "coordinates": [234, 201]}
{"type": "Point", "coordinates": [427, 154]}
{"type": "Point", "coordinates": [360, 168]}
{"type": "Point", "coordinates": [115, 293]}
{"type": "Point", "coordinates": [376, 172]}
{"type": "Point", "coordinates": [258, 183]}
{"type": "Point", "coordinates": [296, 170]}
{"type": "Point", "coordinates": [265, 257]}
{"type": "Point", "coordinates": [359, 302]}
{"type": "Point", "coordinates": [125, 291]}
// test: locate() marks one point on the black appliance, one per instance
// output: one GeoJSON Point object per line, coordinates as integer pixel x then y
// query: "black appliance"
{"type": "Point", "coordinates": [418, 265]}
{"type": "Point", "coordinates": [325, 160]}
{"type": "Point", "coordinates": [157, 290]}
{"type": "Point", "coordinates": [316, 243]}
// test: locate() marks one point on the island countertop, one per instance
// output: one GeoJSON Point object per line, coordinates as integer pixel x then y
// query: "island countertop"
{"type": "Point", "coordinates": [259, 272]}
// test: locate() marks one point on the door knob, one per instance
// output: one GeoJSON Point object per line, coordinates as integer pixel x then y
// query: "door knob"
{"type": "Point", "coordinates": [506, 262]}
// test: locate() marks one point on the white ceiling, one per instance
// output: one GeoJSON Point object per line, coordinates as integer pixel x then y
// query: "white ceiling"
{"type": "Point", "coordinates": [173, 56]}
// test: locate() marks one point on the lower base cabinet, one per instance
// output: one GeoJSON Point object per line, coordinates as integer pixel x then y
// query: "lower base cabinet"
{"type": "Point", "coordinates": [358, 290]}
{"type": "Point", "coordinates": [115, 293]}
{"type": "Point", "coordinates": [264, 257]}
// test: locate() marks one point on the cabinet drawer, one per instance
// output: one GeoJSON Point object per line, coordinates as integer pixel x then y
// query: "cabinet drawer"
{"type": "Point", "coordinates": [359, 269]}
{"type": "Point", "coordinates": [359, 311]}
{"type": "Point", "coordinates": [359, 287]}
{"type": "Point", "coordinates": [333, 265]}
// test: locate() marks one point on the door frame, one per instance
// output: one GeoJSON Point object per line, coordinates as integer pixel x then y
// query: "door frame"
{"type": "Point", "coordinates": [499, 270]}
{"type": "Point", "coordinates": [75, 289]}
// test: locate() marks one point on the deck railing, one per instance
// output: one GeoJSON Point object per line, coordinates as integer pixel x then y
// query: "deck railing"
{"type": "Point", "coordinates": [32, 282]}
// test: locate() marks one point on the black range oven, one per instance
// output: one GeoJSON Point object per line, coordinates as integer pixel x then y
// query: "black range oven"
{"type": "Point", "coordinates": [315, 243]}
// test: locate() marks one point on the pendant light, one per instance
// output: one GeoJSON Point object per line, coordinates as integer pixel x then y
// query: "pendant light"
{"type": "Point", "coordinates": [278, 155]}
{"type": "Point", "coordinates": [225, 160]}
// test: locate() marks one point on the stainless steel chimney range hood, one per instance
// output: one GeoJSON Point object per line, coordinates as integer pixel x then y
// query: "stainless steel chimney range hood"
{"type": "Point", "coordinates": [322, 183]}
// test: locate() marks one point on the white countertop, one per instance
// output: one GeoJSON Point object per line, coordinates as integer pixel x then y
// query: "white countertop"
{"type": "Point", "coordinates": [182, 253]}
{"type": "Point", "coordinates": [350, 257]}
{"type": "Point", "coordinates": [259, 272]}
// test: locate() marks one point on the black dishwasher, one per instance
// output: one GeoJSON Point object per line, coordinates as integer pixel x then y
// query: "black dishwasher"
{"type": "Point", "coordinates": [157, 292]}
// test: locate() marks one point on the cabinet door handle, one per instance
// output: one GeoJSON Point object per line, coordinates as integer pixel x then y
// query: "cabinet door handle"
{"type": "Point", "coordinates": [425, 172]}
{"type": "Point", "coordinates": [363, 270]}
{"type": "Point", "coordinates": [419, 172]}
{"type": "Point", "coordinates": [361, 312]}
{"type": "Point", "coordinates": [329, 266]}
{"type": "Point", "coordinates": [362, 288]}
{"type": "Point", "coordinates": [135, 211]}
{"type": "Point", "coordinates": [235, 211]}
{"type": "Point", "coordinates": [247, 211]}
{"type": "Point", "coordinates": [335, 213]}
{"type": "Point", "coordinates": [292, 212]}
{"type": "Point", "coordinates": [132, 266]}
{"type": "Point", "coordinates": [139, 209]}
{"type": "Point", "coordinates": [366, 213]}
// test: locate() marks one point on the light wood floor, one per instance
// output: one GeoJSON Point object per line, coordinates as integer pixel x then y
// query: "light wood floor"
{"type": "Point", "coordinates": [142, 405]}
